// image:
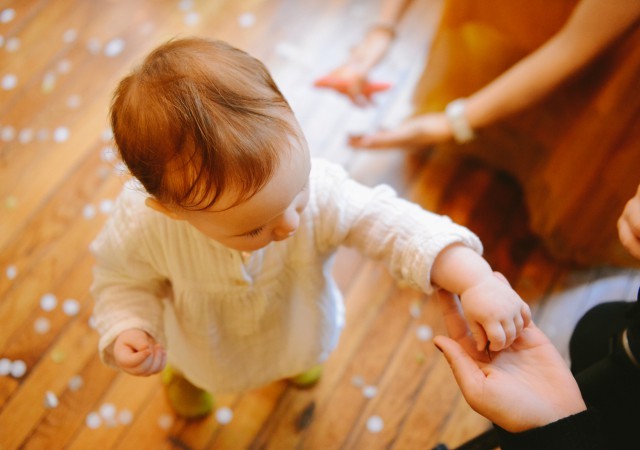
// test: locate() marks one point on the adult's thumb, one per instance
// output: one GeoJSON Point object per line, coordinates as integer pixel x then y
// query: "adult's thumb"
{"type": "Point", "coordinates": [464, 368]}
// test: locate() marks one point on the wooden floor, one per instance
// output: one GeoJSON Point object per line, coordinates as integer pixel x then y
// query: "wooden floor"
{"type": "Point", "coordinates": [384, 387]}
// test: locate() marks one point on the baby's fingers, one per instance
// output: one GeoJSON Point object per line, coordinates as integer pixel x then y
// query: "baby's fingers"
{"type": "Point", "coordinates": [497, 336]}
{"type": "Point", "coordinates": [479, 336]}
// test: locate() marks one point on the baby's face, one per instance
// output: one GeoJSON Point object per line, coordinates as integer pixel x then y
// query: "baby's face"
{"type": "Point", "coordinates": [272, 214]}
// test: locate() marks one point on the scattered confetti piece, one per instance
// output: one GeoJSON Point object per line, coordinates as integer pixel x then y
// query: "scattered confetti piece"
{"type": "Point", "coordinates": [191, 18]}
{"type": "Point", "coordinates": [12, 44]}
{"type": "Point", "coordinates": [64, 66]}
{"type": "Point", "coordinates": [424, 332]}
{"type": "Point", "coordinates": [9, 81]}
{"type": "Point", "coordinates": [26, 135]}
{"type": "Point", "coordinates": [75, 383]}
{"type": "Point", "coordinates": [246, 20]}
{"type": "Point", "coordinates": [43, 134]}
{"type": "Point", "coordinates": [58, 356]}
{"type": "Point", "coordinates": [107, 134]}
{"type": "Point", "coordinates": [7, 15]}
{"type": "Point", "coordinates": [165, 421]}
{"type": "Point", "coordinates": [74, 101]}
{"type": "Point", "coordinates": [71, 307]}
{"type": "Point", "coordinates": [48, 82]}
{"type": "Point", "coordinates": [42, 325]}
{"type": "Point", "coordinates": [106, 206]}
{"type": "Point", "coordinates": [375, 424]}
{"type": "Point", "coordinates": [50, 400]}
{"type": "Point", "coordinates": [357, 381]}
{"type": "Point", "coordinates": [114, 47]}
{"type": "Point", "coordinates": [70, 35]}
{"type": "Point", "coordinates": [369, 391]}
{"type": "Point", "coordinates": [108, 411]}
{"type": "Point", "coordinates": [48, 302]}
{"type": "Point", "coordinates": [8, 133]}
{"type": "Point", "coordinates": [12, 272]}
{"type": "Point", "coordinates": [18, 368]}
{"type": "Point", "coordinates": [11, 202]}
{"type": "Point", "coordinates": [94, 46]}
{"type": "Point", "coordinates": [93, 420]}
{"type": "Point", "coordinates": [5, 366]}
{"type": "Point", "coordinates": [224, 415]}
{"type": "Point", "coordinates": [92, 322]}
{"type": "Point", "coordinates": [89, 211]}
{"type": "Point", "coordinates": [125, 417]}
{"type": "Point", "coordinates": [60, 134]}
{"type": "Point", "coordinates": [415, 310]}
{"type": "Point", "coordinates": [186, 5]}
{"type": "Point", "coordinates": [108, 154]}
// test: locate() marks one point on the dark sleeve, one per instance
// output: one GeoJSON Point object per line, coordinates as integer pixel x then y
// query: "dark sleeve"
{"type": "Point", "coordinates": [581, 431]}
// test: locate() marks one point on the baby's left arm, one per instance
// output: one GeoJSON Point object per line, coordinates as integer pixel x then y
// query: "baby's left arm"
{"type": "Point", "coordinates": [493, 310]}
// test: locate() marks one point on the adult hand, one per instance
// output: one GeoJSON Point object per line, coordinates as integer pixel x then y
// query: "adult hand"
{"type": "Point", "coordinates": [137, 353]}
{"type": "Point", "coordinates": [416, 132]}
{"type": "Point", "coordinates": [352, 83]}
{"type": "Point", "coordinates": [629, 225]}
{"type": "Point", "coordinates": [525, 386]}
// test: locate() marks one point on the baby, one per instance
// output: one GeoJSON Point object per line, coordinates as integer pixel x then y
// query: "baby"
{"type": "Point", "coordinates": [221, 253]}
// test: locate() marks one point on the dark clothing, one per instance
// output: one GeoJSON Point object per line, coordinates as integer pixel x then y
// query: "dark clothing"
{"type": "Point", "coordinates": [578, 432]}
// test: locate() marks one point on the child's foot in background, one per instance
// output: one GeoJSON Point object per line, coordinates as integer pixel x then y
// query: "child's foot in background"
{"type": "Point", "coordinates": [187, 400]}
{"type": "Point", "coordinates": [308, 378]}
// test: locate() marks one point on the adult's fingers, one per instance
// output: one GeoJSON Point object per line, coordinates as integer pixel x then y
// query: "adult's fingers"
{"type": "Point", "coordinates": [465, 370]}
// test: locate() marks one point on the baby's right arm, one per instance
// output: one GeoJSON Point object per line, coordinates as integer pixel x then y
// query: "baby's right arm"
{"type": "Point", "coordinates": [137, 353]}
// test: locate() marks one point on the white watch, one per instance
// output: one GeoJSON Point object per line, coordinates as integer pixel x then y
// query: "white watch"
{"type": "Point", "coordinates": [456, 115]}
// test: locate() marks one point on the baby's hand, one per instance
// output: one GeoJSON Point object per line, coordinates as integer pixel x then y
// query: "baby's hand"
{"type": "Point", "coordinates": [494, 312]}
{"type": "Point", "coordinates": [137, 353]}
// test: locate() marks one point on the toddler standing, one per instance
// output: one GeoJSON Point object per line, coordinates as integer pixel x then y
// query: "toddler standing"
{"type": "Point", "coordinates": [221, 252]}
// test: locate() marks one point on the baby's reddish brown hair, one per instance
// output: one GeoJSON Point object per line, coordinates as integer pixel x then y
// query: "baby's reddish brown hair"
{"type": "Point", "coordinates": [199, 118]}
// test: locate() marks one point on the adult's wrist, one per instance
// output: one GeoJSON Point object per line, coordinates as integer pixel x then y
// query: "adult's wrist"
{"type": "Point", "coordinates": [456, 112]}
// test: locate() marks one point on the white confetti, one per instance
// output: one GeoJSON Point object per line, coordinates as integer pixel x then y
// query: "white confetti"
{"type": "Point", "coordinates": [108, 154]}
{"type": "Point", "coordinates": [71, 307]}
{"type": "Point", "coordinates": [75, 383]}
{"type": "Point", "coordinates": [125, 417]}
{"type": "Point", "coordinates": [370, 391]}
{"type": "Point", "coordinates": [375, 424]}
{"type": "Point", "coordinates": [7, 15]}
{"type": "Point", "coordinates": [415, 310]}
{"type": "Point", "coordinates": [94, 46]}
{"type": "Point", "coordinates": [5, 366]}
{"type": "Point", "coordinates": [60, 134]}
{"type": "Point", "coordinates": [11, 272]}
{"type": "Point", "coordinates": [48, 302]}
{"type": "Point", "coordinates": [12, 44]}
{"type": "Point", "coordinates": [224, 415]}
{"type": "Point", "coordinates": [70, 35]}
{"type": "Point", "coordinates": [64, 66]}
{"type": "Point", "coordinates": [185, 5]}
{"type": "Point", "coordinates": [89, 211]}
{"type": "Point", "coordinates": [18, 368]}
{"type": "Point", "coordinates": [106, 206]}
{"type": "Point", "coordinates": [9, 81]}
{"type": "Point", "coordinates": [26, 135]}
{"type": "Point", "coordinates": [74, 101]}
{"type": "Point", "coordinates": [246, 20]}
{"type": "Point", "coordinates": [191, 18]}
{"type": "Point", "coordinates": [108, 411]}
{"type": "Point", "coordinates": [120, 169]}
{"type": "Point", "coordinates": [93, 420]}
{"type": "Point", "coordinates": [50, 400]}
{"type": "Point", "coordinates": [165, 421]}
{"type": "Point", "coordinates": [357, 381]}
{"type": "Point", "coordinates": [43, 134]}
{"type": "Point", "coordinates": [48, 82]}
{"type": "Point", "coordinates": [92, 322]}
{"type": "Point", "coordinates": [8, 133]}
{"type": "Point", "coordinates": [114, 47]}
{"type": "Point", "coordinates": [42, 325]}
{"type": "Point", "coordinates": [424, 332]}
{"type": "Point", "coordinates": [107, 134]}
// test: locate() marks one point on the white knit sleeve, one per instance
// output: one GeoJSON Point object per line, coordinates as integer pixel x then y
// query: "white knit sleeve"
{"type": "Point", "coordinates": [384, 227]}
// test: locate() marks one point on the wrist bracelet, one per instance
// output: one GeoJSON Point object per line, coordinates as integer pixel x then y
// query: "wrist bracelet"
{"type": "Point", "coordinates": [456, 115]}
{"type": "Point", "coordinates": [387, 27]}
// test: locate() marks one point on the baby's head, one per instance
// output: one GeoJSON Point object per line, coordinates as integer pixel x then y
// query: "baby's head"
{"type": "Point", "coordinates": [206, 131]}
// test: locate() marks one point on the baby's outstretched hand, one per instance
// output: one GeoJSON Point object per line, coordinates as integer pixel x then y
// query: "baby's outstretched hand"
{"type": "Point", "coordinates": [137, 353]}
{"type": "Point", "coordinates": [494, 312]}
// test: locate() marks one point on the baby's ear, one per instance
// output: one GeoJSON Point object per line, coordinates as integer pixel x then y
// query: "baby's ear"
{"type": "Point", "coordinates": [161, 208]}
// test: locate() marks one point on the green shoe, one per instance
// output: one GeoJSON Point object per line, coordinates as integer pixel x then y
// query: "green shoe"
{"type": "Point", "coordinates": [187, 400]}
{"type": "Point", "coordinates": [308, 378]}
